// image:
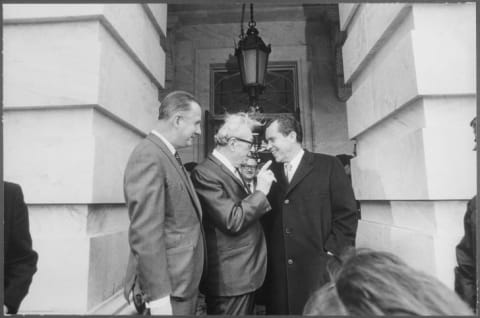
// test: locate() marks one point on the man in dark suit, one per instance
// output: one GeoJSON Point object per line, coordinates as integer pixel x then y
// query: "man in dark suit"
{"type": "Point", "coordinates": [313, 218]}
{"type": "Point", "coordinates": [165, 234]}
{"type": "Point", "coordinates": [20, 258]}
{"type": "Point", "coordinates": [235, 241]}
{"type": "Point", "coordinates": [248, 170]}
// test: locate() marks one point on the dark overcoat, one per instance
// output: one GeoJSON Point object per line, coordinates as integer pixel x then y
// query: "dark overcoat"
{"type": "Point", "coordinates": [20, 258]}
{"type": "Point", "coordinates": [313, 214]}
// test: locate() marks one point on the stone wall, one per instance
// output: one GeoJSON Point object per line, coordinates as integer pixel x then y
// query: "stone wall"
{"type": "Point", "coordinates": [412, 72]}
{"type": "Point", "coordinates": [81, 86]}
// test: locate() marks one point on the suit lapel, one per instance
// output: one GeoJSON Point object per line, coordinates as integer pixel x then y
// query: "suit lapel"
{"type": "Point", "coordinates": [228, 172]}
{"type": "Point", "coordinates": [180, 170]}
{"type": "Point", "coordinates": [305, 166]}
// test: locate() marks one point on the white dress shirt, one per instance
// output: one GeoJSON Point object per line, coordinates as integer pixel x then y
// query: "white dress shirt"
{"type": "Point", "coordinates": [294, 163]}
{"type": "Point", "coordinates": [226, 163]}
{"type": "Point", "coordinates": [167, 143]}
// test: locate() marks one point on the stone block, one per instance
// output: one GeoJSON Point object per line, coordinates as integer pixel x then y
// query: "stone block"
{"type": "Point", "coordinates": [379, 212]}
{"type": "Point", "coordinates": [445, 259]}
{"type": "Point", "coordinates": [430, 253]}
{"type": "Point", "coordinates": [107, 218]}
{"type": "Point", "coordinates": [124, 89]}
{"type": "Point", "coordinates": [450, 162]}
{"type": "Point", "coordinates": [373, 235]}
{"type": "Point", "coordinates": [108, 264]}
{"type": "Point", "coordinates": [51, 64]}
{"type": "Point", "coordinates": [431, 111]}
{"type": "Point", "coordinates": [417, 166]}
{"type": "Point", "coordinates": [50, 154]}
{"type": "Point", "coordinates": [373, 24]}
{"type": "Point", "coordinates": [127, 22]}
{"type": "Point", "coordinates": [49, 11]}
{"type": "Point", "coordinates": [133, 26]}
{"type": "Point", "coordinates": [395, 171]}
{"type": "Point", "coordinates": [83, 251]}
{"type": "Point", "coordinates": [445, 48]}
{"type": "Point", "coordinates": [416, 248]}
{"type": "Point", "coordinates": [159, 11]}
{"type": "Point", "coordinates": [58, 220]}
{"type": "Point", "coordinates": [61, 282]}
{"type": "Point", "coordinates": [74, 155]}
{"type": "Point", "coordinates": [346, 12]}
{"type": "Point", "coordinates": [376, 92]}
{"type": "Point", "coordinates": [430, 217]}
{"type": "Point", "coordinates": [114, 143]}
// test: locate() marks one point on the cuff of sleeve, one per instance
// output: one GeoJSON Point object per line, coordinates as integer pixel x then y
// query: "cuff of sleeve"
{"type": "Point", "coordinates": [158, 302]}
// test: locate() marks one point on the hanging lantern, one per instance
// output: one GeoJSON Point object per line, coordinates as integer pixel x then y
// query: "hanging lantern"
{"type": "Point", "coordinates": [252, 56]}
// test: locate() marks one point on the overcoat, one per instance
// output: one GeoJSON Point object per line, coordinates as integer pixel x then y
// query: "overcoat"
{"type": "Point", "coordinates": [165, 234]}
{"type": "Point", "coordinates": [20, 258]}
{"type": "Point", "coordinates": [314, 213]}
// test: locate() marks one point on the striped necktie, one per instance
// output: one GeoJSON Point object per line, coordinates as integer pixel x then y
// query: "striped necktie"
{"type": "Point", "coordinates": [288, 171]}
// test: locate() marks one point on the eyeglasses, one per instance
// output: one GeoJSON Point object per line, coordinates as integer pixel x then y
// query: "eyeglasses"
{"type": "Point", "coordinates": [244, 166]}
{"type": "Point", "coordinates": [244, 140]}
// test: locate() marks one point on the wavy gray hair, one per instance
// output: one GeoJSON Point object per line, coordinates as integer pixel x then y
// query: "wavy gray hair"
{"type": "Point", "coordinates": [233, 122]}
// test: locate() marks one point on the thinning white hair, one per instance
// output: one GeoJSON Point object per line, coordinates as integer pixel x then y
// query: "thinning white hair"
{"type": "Point", "coordinates": [233, 123]}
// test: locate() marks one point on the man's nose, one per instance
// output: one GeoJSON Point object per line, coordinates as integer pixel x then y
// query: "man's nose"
{"type": "Point", "coordinates": [198, 131]}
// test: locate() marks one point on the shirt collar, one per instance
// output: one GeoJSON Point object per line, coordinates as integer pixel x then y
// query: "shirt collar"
{"type": "Point", "coordinates": [165, 141]}
{"type": "Point", "coordinates": [295, 162]}
{"type": "Point", "coordinates": [223, 160]}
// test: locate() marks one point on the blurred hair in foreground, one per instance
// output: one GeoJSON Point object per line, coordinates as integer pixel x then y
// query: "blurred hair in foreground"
{"type": "Point", "coordinates": [368, 283]}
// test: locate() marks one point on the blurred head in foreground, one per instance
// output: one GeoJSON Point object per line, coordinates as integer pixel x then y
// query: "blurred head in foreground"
{"type": "Point", "coordinates": [368, 283]}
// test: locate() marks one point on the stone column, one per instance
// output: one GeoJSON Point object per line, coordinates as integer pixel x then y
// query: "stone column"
{"type": "Point", "coordinates": [81, 86]}
{"type": "Point", "coordinates": [412, 72]}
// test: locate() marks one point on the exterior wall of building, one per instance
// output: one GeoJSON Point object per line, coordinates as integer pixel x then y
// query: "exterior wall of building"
{"type": "Point", "coordinates": [307, 42]}
{"type": "Point", "coordinates": [412, 72]}
{"type": "Point", "coordinates": [81, 86]}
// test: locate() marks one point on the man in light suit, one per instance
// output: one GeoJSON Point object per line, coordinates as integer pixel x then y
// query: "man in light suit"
{"type": "Point", "coordinates": [20, 258]}
{"type": "Point", "coordinates": [235, 241]}
{"type": "Point", "coordinates": [165, 235]}
{"type": "Point", "coordinates": [314, 218]}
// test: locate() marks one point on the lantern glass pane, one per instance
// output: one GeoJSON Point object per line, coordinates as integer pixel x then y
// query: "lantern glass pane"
{"type": "Point", "coordinates": [262, 63]}
{"type": "Point", "coordinates": [250, 65]}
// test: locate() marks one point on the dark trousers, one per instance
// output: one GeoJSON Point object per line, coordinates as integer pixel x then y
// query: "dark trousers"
{"type": "Point", "coordinates": [231, 305]}
{"type": "Point", "coordinates": [184, 306]}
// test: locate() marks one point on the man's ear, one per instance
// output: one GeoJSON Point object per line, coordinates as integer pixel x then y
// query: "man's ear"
{"type": "Point", "coordinates": [175, 120]}
{"type": "Point", "coordinates": [231, 144]}
{"type": "Point", "coordinates": [293, 136]}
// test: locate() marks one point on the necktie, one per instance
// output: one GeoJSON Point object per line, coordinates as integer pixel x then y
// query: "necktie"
{"type": "Point", "coordinates": [179, 160]}
{"type": "Point", "coordinates": [288, 171]}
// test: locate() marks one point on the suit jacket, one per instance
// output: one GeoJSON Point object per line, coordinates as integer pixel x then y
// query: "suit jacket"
{"type": "Point", "coordinates": [313, 214]}
{"type": "Point", "coordinates": [165, 233]}
{"type": "Point", "coordinates": [235, 241]}
{"type": "Point", "coordinates": [20, 258]}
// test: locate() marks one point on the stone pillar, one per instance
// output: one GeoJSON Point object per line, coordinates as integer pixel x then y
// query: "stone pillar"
{"type": "Point", "coordinates": [81, 86]}
{"type": "Point", "coordinates": [412, 72]}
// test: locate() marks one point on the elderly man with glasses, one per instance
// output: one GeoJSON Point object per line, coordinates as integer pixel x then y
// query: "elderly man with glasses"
{"type": "Point", "coordinates": [248, 170]}
{"type": "Point", "coordinates": [236, 248]}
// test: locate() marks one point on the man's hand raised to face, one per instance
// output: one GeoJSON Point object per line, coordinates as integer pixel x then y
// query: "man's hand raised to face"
{"type": "Point", "coordinates": [265, 177]}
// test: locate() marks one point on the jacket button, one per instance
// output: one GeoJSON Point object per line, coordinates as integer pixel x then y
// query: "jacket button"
{"type": "Point", "coordinates": [290, 261]}
{"type": "Point", "coordinates": [287, 201]}
{"type": "Point", "coordinates": [288, 230]}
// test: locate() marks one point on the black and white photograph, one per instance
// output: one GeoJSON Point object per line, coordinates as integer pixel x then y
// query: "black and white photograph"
{"type": "Point", "coordinates": [239, 158]}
